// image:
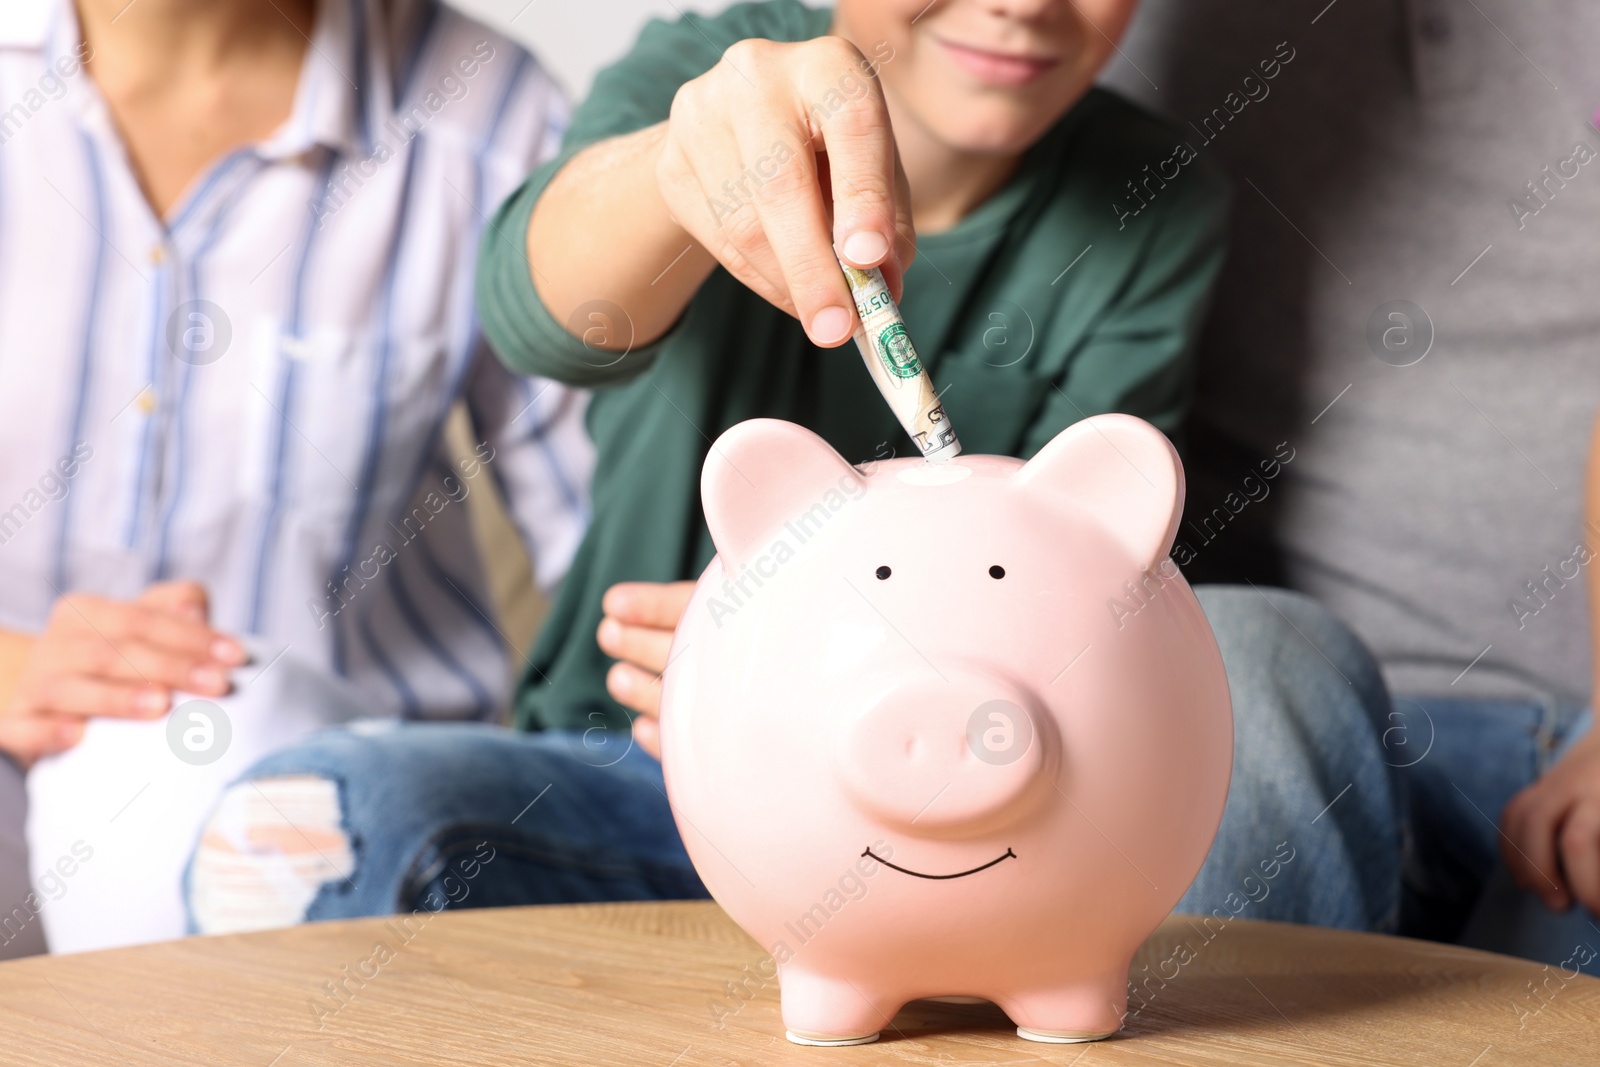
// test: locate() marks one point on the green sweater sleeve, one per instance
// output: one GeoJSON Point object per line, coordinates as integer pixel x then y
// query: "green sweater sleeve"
{"type": "Point", "coordinates": [632, 94]}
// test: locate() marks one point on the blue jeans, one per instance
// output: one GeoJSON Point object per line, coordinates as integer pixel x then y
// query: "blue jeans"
{"type": "Point", "coordinates": [475, 815]}
{"type": "Point", "coordinates": [1462, 761]}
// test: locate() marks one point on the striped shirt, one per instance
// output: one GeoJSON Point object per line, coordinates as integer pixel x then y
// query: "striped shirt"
{"type": "Point", "coordinates": [252, 391]}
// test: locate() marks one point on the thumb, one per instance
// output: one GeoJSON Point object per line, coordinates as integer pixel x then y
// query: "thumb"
{"type": "Point", "coordinates": [29, 738]}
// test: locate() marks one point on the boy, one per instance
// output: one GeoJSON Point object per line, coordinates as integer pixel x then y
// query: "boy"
{"type": "Point", "coordinates": [695, 208]}
{"type": "Point", "coordinates": [1015, 167]}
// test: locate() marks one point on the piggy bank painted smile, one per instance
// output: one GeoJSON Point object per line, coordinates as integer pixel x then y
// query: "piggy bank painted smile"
{"type": "Point", "coordinates": [952, 729]}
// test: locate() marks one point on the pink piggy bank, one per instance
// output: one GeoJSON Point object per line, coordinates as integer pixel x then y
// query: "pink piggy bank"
{"type": "Point", "coordinates": [952, 729]}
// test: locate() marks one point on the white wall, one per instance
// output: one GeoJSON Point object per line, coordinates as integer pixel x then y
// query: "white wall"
{"type": "Point", "coordinates": [575, 38]}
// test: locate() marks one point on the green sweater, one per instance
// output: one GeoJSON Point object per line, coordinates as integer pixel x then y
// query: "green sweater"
{"type": "Point", "coordinates": [1050, 302]}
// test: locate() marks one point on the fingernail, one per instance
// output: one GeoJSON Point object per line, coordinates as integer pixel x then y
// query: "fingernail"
{"type": "Point", "coordinates": [69, 734]}
{"type": "Point", "coordinates": [152, 702]}
{"type": "Point", "coordinates": [207, 679]}
{"type": "Point", "coordinates": [621, 681]}
{"type": "Point", "coordinates": [831, 325]}
{"type": "Point", "coordinates": [610, 633]}
{"type": "Point", "coordinates": [865, 246]}
{"type": "Point", "coordinates": [230, 652]}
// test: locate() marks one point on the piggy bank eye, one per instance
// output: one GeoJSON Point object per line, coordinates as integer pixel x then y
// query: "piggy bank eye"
{"type": "Point", "coordinates": [883, 573]}
{"type": "Point", "coordinates": [997, 571]}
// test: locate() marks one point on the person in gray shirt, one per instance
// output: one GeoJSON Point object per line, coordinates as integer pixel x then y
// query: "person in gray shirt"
{"type": "Point", "coordinates": [1409, 312]}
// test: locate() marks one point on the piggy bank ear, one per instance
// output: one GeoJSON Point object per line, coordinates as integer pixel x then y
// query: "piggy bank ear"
{"type": "Point", "coordinates": [763, 473]}
{"type": "Point", "coordinates": [1123, 471]}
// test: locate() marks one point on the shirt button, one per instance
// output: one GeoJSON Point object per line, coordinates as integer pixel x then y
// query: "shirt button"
{"type": "Point", "coordinates": [147, 400]}
{"type": "Point", "coordinates": [158, 254]}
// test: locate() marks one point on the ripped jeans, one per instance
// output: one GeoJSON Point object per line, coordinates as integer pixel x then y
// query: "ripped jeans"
{"type": "Point", "coordinates": [374, 820]}
{"type": "Point", "coordinates": [394, 817]}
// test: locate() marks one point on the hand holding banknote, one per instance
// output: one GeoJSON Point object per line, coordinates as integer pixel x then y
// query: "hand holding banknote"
{"type": "Point", "coordinates": [769, 161]}
{"type": "Point", "coordinates": [772, 140]}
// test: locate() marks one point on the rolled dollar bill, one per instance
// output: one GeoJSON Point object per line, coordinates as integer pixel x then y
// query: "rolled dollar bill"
{"type": "Point", "coordinates": [893, 363]}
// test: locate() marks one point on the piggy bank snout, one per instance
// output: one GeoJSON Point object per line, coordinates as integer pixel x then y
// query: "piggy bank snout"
{"type": "Point", "coordinates": [936, 756]}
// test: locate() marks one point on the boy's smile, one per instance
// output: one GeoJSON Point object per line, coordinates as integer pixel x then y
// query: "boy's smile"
{"type": "Point", "coordinates": [986, 77]}
{"type": "Point", "coordinates": [997, 68]}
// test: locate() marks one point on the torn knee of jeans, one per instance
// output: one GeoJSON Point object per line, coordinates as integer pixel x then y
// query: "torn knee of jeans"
{"type": "Point", "coordinates": [266, 852]}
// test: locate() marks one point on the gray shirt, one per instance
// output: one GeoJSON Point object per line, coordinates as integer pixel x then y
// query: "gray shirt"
{"type": "Point", "coordinates": [1434, 495]}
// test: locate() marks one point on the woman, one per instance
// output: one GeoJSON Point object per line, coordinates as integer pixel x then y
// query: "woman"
{"type": "Point", "coordinates": [235, 310]}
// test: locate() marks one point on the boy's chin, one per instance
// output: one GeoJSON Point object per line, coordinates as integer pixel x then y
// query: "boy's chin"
{"type": "Point", "coordinates": [987, 132]}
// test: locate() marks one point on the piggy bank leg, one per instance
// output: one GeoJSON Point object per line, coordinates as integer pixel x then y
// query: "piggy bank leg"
{"type": "Point", "coordinates": [1087, 1010]}
{"type": "Point", "coordinates": [818, 1010]}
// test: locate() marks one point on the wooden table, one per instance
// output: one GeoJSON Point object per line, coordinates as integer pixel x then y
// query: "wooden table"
{"type": "Point", "coordinates": [641, 984]}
